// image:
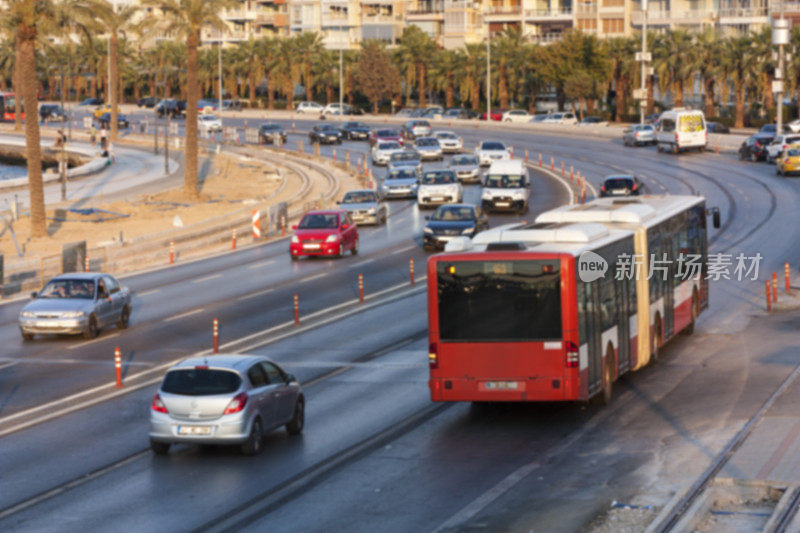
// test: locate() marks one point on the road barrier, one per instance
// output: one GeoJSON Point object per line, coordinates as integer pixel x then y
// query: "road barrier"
{"type": "Point", "coordinates": [171, 252]}
{"type": "Point", "coordinates": [361, 288]}
{"type": "Point", "coordinates": [540, 159]}
{"type": "Point", "coordinates": [411, 270]}
{"type": "Point", "coordinates": [769, 300]}
{"type": "Point", "coordinates": [774, 287]}
{"type": "Point", "coordinates": [86, 263]}
{"type": "Point", "coordinates": [571, 173]}
{"type": "Point", "coordinates": [233, 239]}
{"type": "Point", "coordinates": [296, 310]}
{"type": "Point", "coordinates": [216, 336]}
{"type": "Point", "coordinates": [118, 366]}
{"type": "Point", "coordinates": [786, 275]}
{"type": "Point", "coordinates": [256, 224]}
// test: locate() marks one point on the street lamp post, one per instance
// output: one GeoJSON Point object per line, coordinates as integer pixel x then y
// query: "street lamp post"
{"type": "Point", "coordinates": [341, 82]}
{"type": "Point", "coordinates": [219, 70]}
{"type": "Point", "coordinates": [488, 71]}
{"type": "Point", "coordinates": [63, 164]}
{"type": "Point", "coordinates": [780, 37]}
{"type": "Point", "coordinates": [644, 59]}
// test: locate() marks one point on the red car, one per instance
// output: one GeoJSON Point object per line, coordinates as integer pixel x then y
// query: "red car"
{"type": "Point", "coordinates": [324, 233]}
{"type": "Point", "coordinates": [384, 135]}
{"type": "Point", "coordinates": [497, 114]}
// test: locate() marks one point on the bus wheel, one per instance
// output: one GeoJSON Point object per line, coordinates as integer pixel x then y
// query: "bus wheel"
{"type": "Point", "coordinates": [604, 397]}
{"type": "Point", "coordinates": [688, 330]}
{"type": "Point", "coordinates": [654, 352]}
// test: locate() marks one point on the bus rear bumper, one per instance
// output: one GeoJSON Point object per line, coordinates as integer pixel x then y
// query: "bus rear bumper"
{"type": "Point", "coordinates": [539, 389]}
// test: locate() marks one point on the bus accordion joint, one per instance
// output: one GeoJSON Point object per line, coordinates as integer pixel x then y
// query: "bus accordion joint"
{"type": "Point", "coordinates": [716, 217]}
{"type": "Point", "coordinates": [572, 354]}
{"type": "Point", "coordinates": [433, 358]}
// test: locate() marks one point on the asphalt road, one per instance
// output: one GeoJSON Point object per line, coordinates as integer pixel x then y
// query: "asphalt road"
{"type": "Point", "coordinates": [420, 466]}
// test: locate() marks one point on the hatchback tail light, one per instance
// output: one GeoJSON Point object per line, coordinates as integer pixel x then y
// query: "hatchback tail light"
{"type": "Point", "coordinates": [603, 188]}
{"type": "Point", "coordinates": [433, 356]}
{"type": "Point", "coordinates": [237, 404]}
{"type": "Point", "coordinates": [676, 137]}
{"type": "Point", "coordinates": [158, 405]}
{"type": "Point", "coordinates": [572, 355]}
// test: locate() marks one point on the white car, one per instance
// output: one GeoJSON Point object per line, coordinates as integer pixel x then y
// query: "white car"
{"type": "Point", "coordinates": [309, 107]}
{"type": "Point", "coordinates": [560, 118]}
{"type": "Point", "coordinates": [382, 152]}
{"type": "Point", "coordinates": [516, 115]}
{"type": "Point", "coordinates": [449, 141]}
{"type": "Point", "coordinates": [335, 109]}
{"type": "Point", "coordinates": [208, 124]}
{"type": "Point", "coordinates": [488, 151]}
{"type": "Point", "coordinates": [429, 149]}
{"type": "Point", "coordinates": [439, 187]}
{"type": "Point", "coordinates": [779, 144]}
{"type": "Point", "coordinates": [794, 125]}
{"type": "Point", "coordinates": [506, 187]}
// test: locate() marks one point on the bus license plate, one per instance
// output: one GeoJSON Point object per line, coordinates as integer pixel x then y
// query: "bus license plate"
{"type": "Point", "coordinates": [194, 430]}
{"type": "Point", "coordinates": [501, 385]}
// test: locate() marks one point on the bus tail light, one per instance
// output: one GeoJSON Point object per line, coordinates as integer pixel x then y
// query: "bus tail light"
{"type": "Point", "coordinates": [433, 356]}
{"type": "Point", "coordinates": [572, 354]}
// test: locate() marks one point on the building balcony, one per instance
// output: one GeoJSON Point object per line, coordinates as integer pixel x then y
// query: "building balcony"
{"type": "Point", "coordinates": [227, 37]}
{"type": "Point", "coordinates": [272, 19]}
{"type": "Point", "coordinates": [668, 18]}
{"type": "Point", "coordinates": [585, 10]}
{"type": "Point", "coordinates": [337, 20]}
{"type": "Point", "coordinates": [548, 14]}
{"type": "Point", "coordinates": [744, 15]}
{"type": "Point", "coordinates": [239, 14]}
{"type": "Point", "coordinates": [546, 38]}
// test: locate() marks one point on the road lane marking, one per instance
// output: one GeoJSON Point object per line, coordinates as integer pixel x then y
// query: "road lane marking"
{"type": "Point", "coordinates": [62, 361]}
{"type": "Point", "coordinates": [320, 275]}
{"type": "Point", "coordinates": [259, 293]}
{"type": "Point", "coordinates": [406, 249]}
{"type": "Point", "coordinates": [184, 315]}
{"type": "Point", "coordinates": [7, 364]}
{"type": "Point", "coordinates": [364, 262]}
{"type": "Point", "coordinates": [96, 339]}
{"type": "Point", "coordinates": [207, 278]}
{"type": "Point", "coordinates": [262, 264]}
{"type": "Point", "coordinates": [147, 293]}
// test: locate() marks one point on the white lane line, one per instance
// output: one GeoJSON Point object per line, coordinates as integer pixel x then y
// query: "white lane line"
{"type": "Point", "coordinates": [98, 339]}
{"type": "Point", "coordinates": [7, 364]}
{"type": "Point", "coordinates": [147, 293]}
{"type": "Point", "coordinates": [259, 293]}
{"type": "Point", "coordinates": [62, 361]}
{"type": "Point", "coordinates": [321, 275]}
{"type": "Point", "coordinates": [364, 262]}
{"type": "Point", "coordinates": [406, 249]}
{"type": "Point", "coordinates": [183, 315]}
{"type": "Point", "coordinates": [263, 264]}
{"type": "Point", "coordinates": [207, 278]}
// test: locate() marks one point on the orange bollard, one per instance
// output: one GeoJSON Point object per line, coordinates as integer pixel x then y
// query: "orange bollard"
{"type": "Point", "coordinates": [118, 366]}
{"type": "Point", "coordinates": [347, 158]}
{"type": "Point", "coordinates": [283, 226]}
{"type": "Point", "coordinates": [86, 263]}
{"type": "Point", "coordinates": [361, 288]}
{"type": "Point", "coordinates": [571, 173]}
{"type": "Point", "coordinates": [296, 310]}
{"type": "Point", "coordinates": [171, 252]}
{"type": "Point", "coordinates": [292, 127]}
{"type": "Point", "coordinates": [511, 152]}
{"type": "Point", "coordinates": [411, 270]}
{"type": "Point", "coordinates": [786, 275]}
{"type": "Point", "coordinates": [233, 239]}
{"type": "Point", "coordinates": [540, 159]}
{"type": "Point", "coordinates": [562, 169]}
{"type": "Point", "coordinates": [526, 155]}
{"type": "Point", "coordinates": [334, 154]}
{"type": "Point", "coordinates": [774, 287]}
{"type": "Point", "coordinates": [216, 336]}
{"type": "Point", "coordinates": [583, 195]}
{"type": "Point", "coordinates": [552, 163]}
{"type": "Point", "coordinates": [769, 300]}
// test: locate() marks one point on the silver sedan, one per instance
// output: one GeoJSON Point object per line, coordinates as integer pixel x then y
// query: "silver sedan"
{"type": "Point", "coordinates": [77, 303]}
{"type": "Point", "coordinates": [429, 149]}
{"type": "Point", "coordinates": [639, 134]}
{"type": "Point", "coordinates": [225, 399]}
{"type": "Point", "coordinates": [365, 207]}
{"type": "Point", "coordinates": [466, 168]}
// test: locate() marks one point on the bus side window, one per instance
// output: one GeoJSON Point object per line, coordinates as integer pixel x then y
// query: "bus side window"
{"type": "Point", "coordinates": [608, 311]}
{"type": "Point", "coordinates": [581, 311]}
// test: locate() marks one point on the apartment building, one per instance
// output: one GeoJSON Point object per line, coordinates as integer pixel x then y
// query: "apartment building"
{"type": "Point", "coordinates": [251, 19]}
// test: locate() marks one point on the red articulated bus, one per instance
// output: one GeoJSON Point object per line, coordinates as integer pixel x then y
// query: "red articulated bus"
{"type": "Point", "coordinates": [7, 103]}
{"type": "Point", "coordinates": [528, 312]}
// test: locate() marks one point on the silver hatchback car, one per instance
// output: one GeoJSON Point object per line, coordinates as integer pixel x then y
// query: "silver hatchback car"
{"type": "Point", "coordinates": [225, 399]}
{"type": "Point", "coordinates": [76, 303]}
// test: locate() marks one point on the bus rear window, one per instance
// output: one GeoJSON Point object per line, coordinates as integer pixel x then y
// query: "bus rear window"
{"type": "Point", "coordinates": [499, 301]}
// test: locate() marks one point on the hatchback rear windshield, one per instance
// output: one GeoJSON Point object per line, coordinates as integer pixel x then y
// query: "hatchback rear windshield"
{"type": "Point", "coordinates": [465, 160]}
{"type": "Point", "coordinates": [492, 146]}
{"type": "Point", "coordinates": [438, 178]}
{"type": "Point", "coordinates": [200, 382]}
{"type": "Point", "coordinates": [619, 183]}
{"type": "Point", "coordinates": [387, 133]}
{"type": "Point", "coordinates": [427, 142]}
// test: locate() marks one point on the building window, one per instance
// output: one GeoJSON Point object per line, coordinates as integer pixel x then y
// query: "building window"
{"type": "Point", "coordinates": [613, 3]}
{"type": "Point", "coordinates": [587, 24]}
{"type": "Point", "coordinates": [613, 25]}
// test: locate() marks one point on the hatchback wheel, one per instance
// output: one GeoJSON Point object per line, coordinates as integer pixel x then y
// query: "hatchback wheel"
{"type": "Point", "coordinates": [754, 157]}
{"type": "Point", "coordinates": [252, 445]}
{"type": "Point", "coordinates": [27, 337]}
{"type": "Point", "coordinates": [296, 424]}
{"type": "Point", "coordinates": [354, 249]}
{"type": "Point", "coordinates": [124, 318]}
{"type": "Point", "coordinates": [91, 330]}
{"type": "Point", "coordinates": [159, 448]}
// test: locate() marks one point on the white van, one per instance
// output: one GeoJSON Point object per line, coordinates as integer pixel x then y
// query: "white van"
{"type": "Point", "coordinates": [681, 129]}
{"type": "Point", "coordinates": [506, 187]}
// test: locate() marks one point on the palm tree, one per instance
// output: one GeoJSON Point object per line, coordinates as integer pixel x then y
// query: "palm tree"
{"type": "Point", "coordinates": [472, 69]}
{"type": "Point", "coordinates": [416, 48]}
{"type": "Point", "coordinates": [186, 18]}
{"type": "Point", "coordinates": [739, 62]}
{"type": "Point", "coordinates": [507, 48]}
{"type": "Point", "coordinates": [673, 60]}
{"type": "Point", "coordinates": [793, 64]}
{"type": "Point", "coordinates": [308, 46]}
{"type": "Point", "coordinates": [707, 60]}
{"type": "Point", "coordinates": [269, 54]}
{"type": "Point", "coordinates": [288, 69]}
{"type": "Point", "coordinates": [443, 74]}
{"type": "Point", "coordinates": [620, 52]}
{"type": "Point", "coordinates": [763, 47]}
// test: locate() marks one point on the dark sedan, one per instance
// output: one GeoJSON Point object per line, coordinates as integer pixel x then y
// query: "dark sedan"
{"type": "Point", "coordinates": [620, 185]}
{"type": "Point", "coordinates": [269, 132]}
{"type": "Point", "coordinates": [754, 147]}
{"type": "Point", "coordinates": [92, 102]}
{"type": "Point", "coordinates": [717, 127]}
{"type": "Point", "coordinates": [325, 134]}
{"type": "Point", "coordinates": [459, 113]}
{"type": "Point", "coordinates": [148, 102]}
{"type": "Point", "coordinates": [453, 220]}
{"type": "Point", "coordinates": [355, 131]}
{"type": "Point", "coordinates": [51, 113]}
{"type": "Point", "coordinates": [122, 121]}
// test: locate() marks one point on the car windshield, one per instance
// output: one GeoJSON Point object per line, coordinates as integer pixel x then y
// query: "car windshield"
{"type": "Point", "coordinates": [360, 197]}
{"type": "Point", "coordinates": [328, 127]}
{"type": "Point", "coordinates": [454, 213]}
{"type": "Point", "coordinates": [270, 127]}
{"type": "Point", "coordinates": [439, 177]}
{"type": "Point", "coordinates": [618, 183]}
{"type": "Point", "coordinates": [645, 127]}
{"type": "Point", "coordinates": [355, 125]}
{"type": "Point", "coordinates": [446, 135]}
{"type": "Point", "coordinates": [427, 142]}
{"type": "Point", "coordinates": [419, 124]}
{"type": "Point", "coordinates": [405, 156]}
{"type": "Point", "coordinates": [389, 146]}
{"type": "Point", "coordinates": [69, 288]}
{"type": "Point", "coordinates": [465, 160]}
{"type": "Point", "coordinates": [401, 174]}
{"type": "Point", "coordinates": [387, 133]}
{"type": "Point", "coordinates": [320, 221]}
{"type": "Point", "coordinates": [492, 146]}
{"type": "Point", "coordinates": [201, 382]}
{"type": "Point", "coordinates": [505, 181]}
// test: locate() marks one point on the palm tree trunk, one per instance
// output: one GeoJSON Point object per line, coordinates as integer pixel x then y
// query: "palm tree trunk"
{"type": "Point", "coordinates": [17, 82]}
{"type": "Point", "coordinates": [620, 98]}
{"type": "Point", "coordinates": [502, 90]}
{"type": "Point", "coordinates": [251, 81]}
{"type": "Point", "coordinates": [113, 50]}
{"type": "Point", "coordinates": [309, 81]}
{"type": "Point", "coordinates": [739, 96]}
{"type": "Point", "coordinates": [709, 97]}
{"type": "Point", "coordinates": [26, 57]}
{"type": "Point", "coordinates": [328, 94]}
{"type": "Point", "coordinates": [679, 93]}
{"type": "Point", "coordinates": [448, 92]}
{"type": "Point", "coordinates": [270, 92]}
{"type": "Point", "coordinates": [190, 179]}
{"type": "Point", "coordinates": [769, 99]}
{"type": "Point", "coordinates": [476, 95]}
{"type": "Point", "coordinates": [422, 86]}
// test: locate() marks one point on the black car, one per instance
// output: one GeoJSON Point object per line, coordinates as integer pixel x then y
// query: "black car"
{"type": "Point", "coordinates": [51, 112]}
{"type": "Point", "coordinates": [771, 129]}
{"type": "Point", "coordinates": [717, 127]}
{"type": "Point", "coordinates": [652, 118]}
{"type": "Point", "coordinates": [148, 102]}
{"type": "Point", "coordinates": [453, 220]}
{"type": "Point", "coordinates": [122, 121]}
{"type": "Point", "coordinates": [620, 185]}
{"type": "Point", "coordinates": [92, 102]}
{"type": "Point", "coordinates": [355, 131]}
{"type": "Point", "coordinates": [325, 134]}
{"type": "Point", "coordinates": [268, 132]}
{"type": "Point", "coordinates": [169, 107]}
{"type": "Point", "coordinates": [754, 147]}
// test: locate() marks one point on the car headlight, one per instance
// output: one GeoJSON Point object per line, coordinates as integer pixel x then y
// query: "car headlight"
{"type": "Point", "coordinates": [295, 240]}
{"type": "Point", "coordinates": [426, 229]}
{"type": "Point", "coordinates": [27, 314]}
{"type": "Point", "coordinates": [332, 238]}
{"type": "Point", "coordinates": [468, 231]}
{"type": "Point", "coordinates": [72, 314]}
